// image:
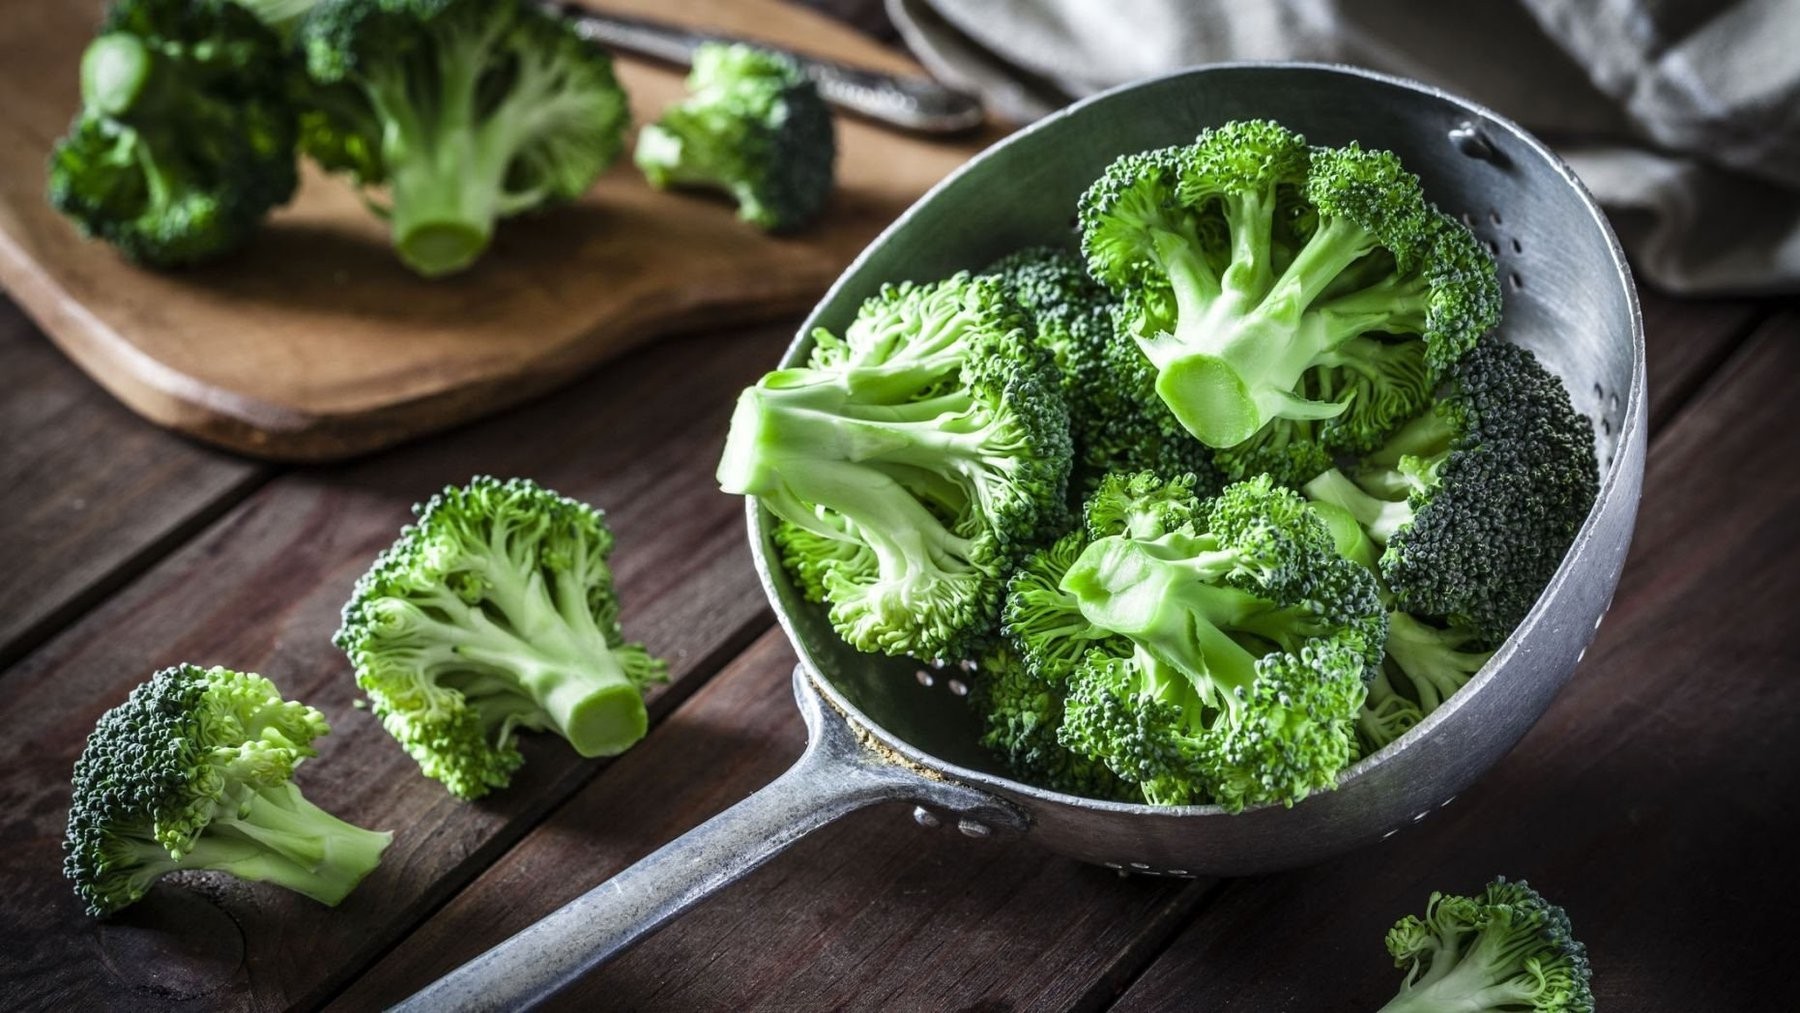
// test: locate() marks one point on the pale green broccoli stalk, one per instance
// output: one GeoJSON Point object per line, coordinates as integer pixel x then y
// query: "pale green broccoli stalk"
{"type": "Point", "coordinates": [1233, 646]}
{"type": "Point", "coordinates": [1477, 500]}
{"type": "Point", "coordinates": [1295, 302]}
{"type": "Point", "coordinates": [912, 462]}
{"type": "Point", "coordinates": [185, 139]}
{"type": "Point", "coordinates": [495, 612]}
{"type": "Point", "coordinates": [195, 771]}
{"type": "Point", "coordinates": [753, 126]}
{"type": "Point", "coordinates": [1505, 949]}
{"type": "Point", "coordinates": [466, 111]}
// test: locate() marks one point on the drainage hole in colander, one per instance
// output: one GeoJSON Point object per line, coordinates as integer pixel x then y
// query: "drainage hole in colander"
{"type": "Point", "coordinates": [1518, 247]}
{"type": "Point", "coordinates": [1515, 281]}
{"type": "Point", "coordinates": [1493, 216]}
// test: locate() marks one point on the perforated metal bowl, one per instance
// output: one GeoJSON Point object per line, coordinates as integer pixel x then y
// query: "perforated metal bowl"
{"type": "Point", "coordinates": [889, 730]}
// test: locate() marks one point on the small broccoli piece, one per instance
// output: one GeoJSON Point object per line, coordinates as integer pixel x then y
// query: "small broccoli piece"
{"type": "Point", "coordinates": [752, 126]}
{"type": "Point", "coordinates": [1505, 949]}
{"type": "Point", "coordinates": [1477, 500]}
{"type": "Point", "coordinates": [916, 458]}
{"type": "Point", "coordinates": [495, 612]}
{"type": "Point", "coordinates": [1021, 713]}
{"type": "Point", "coordinates": [195, 771]}
{"type": "Point", "coordinates": [1115, 418]}
{"type": "Point", "coordinates": [1250, 641]}
{"type": "Point", "coordinates": [185, 139]}
{"type": "Point", "coordinates": [466, 111]}
{"type": "Point", "coordinates": [1295, 302]}
{"type": "Point", "coordinates": [1044, 623]}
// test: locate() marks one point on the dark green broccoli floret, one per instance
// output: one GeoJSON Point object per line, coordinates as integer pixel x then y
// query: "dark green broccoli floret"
{"type": "Point", "coordinates": [1295, 302]}
{"type": "Point", "coordinates": [1117, 421]}
{"type": "Point", "coordinates": [495, 612]}
{"type": "Point", "coordinates": [1505, 949]}
{"type": "Point", "coordinates": [185, 138]}
{"type": "Point", "coordinates": [465, 111]}
{"type": "Point", "coordinates": [913, 461]}
{"type": "Point", "coordinates": [1425, 661]}
{"type": "Point", "coordinates": [1233, 645]}
{"type": "Point", "coordinates": [1478, 499]}
{"type": "Point", "coordinates": [195, 771]}
{"type": "Point", "coordinates": [1021, 713]}
{"type": "Point", "coordinates": [752, 126]}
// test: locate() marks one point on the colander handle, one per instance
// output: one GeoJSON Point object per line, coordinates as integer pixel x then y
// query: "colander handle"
{"type": "Point", "coordinates": [836, 775]}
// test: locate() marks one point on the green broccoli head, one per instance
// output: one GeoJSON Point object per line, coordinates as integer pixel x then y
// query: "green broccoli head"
{"type": "Point", "coordinates": [932, 441]}
{"type": "Point", "coordinates": [1506, 948]}
{"type": "Point", "coordinates": [754, 127]}
{"type": "Point", "coordinates": [1250, 641]}
{"type": "Point", "coordinates": [1294, 302]}
{"type": "Point", "coordinates": [185, 139]}
{"type": "Point", "coordinates": [1021, 713]}
{"type": "Point", "coordinates": [495, 612]}
{"type": "Point", "coordinates": [1477, 500]}
{"type": "Point", "coordinates": [466, 111]}
{"type": "Point", "coordinates": [1116, 420]}
{"type": "Point", "coordinates": [195, 771]}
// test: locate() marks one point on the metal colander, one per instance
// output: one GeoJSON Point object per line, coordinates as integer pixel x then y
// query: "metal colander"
{"type": "Point", "coordinates": [883, 730]}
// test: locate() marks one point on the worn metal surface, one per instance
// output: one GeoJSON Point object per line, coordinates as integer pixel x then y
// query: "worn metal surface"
{"type": "Point", "coordinates": [1569, 297]}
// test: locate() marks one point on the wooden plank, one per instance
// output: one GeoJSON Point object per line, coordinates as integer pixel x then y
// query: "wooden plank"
{"type": "Point", "coordinates": [1656, 798]}
{"type": "Point", "coordinates": [1686, 341]}
{"type": "Point", "coordinates": [315, 343]}
{"type": "Point", "coordinates": [261, 590]}
{"type": "Point", "coordinates": [871, 912]}
{"type": "Point", "coordinates": [90, 494]}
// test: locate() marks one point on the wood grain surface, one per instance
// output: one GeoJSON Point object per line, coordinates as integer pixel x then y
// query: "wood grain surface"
{"type": "Point", "coordinates": [315, 343]}
{"type": "Point", "coordinates": [1655, 800]}
{"type": "Point", "coordinates": [261, 589]}
{"type": "Point", "coordinates": [91, 495]}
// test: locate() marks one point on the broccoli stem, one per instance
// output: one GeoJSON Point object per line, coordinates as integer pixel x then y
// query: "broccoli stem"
{"type": "Point", "coordinates": [541, 647]}
{"type": "Point", "coordinates": [1432, 659]}
{"type": "Point", "coordinates": [1380, 517]}
{"type": "Point", "coordinates": [275, 835]}
{"type": "Point", "coordinates": [1475, 982]}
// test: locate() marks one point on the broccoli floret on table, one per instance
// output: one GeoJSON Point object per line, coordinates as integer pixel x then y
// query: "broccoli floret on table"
{"type": "Point", "coordinates": [1506, 948]}
{"type": "Point", "coordinates": [911, 462]}
{"type": "Point", "coordinates": [185, 139]}
{"type": "Point", "coordinates": [493, 613]}
{"type": "Point", "coordinates": [462, 111]}
{"type": "Point", "coordinates": [753, 126]}
{"type": "Point", "coordinates": [195, 771]}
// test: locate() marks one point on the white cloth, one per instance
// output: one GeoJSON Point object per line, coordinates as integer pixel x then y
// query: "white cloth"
{"type": "Point", "coordinates": [1682, 116]}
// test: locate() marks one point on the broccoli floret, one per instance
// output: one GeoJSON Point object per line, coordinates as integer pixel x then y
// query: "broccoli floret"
{"type": "Point", "coordinates": [1021, 713]}
{"type": "Point", "coordinates": [185, 139]}
{"type": "Point", "coordinates": [922, 454]}
{"type": "Point", "coordinates": [1477, 500]}
{"type": "Point", "coordinates": [1295, 302]}
{"type": "Point", "coordinates": [1249, 642]}
{"type": "Point", "coordinates": [752, 126]}
{"type": "Point", "coordinates": [495, 612]}
{"type": "Point", "coordinates": [466, 111]}
{"type": "Point", "coordinates": [195, 771]}
{"type": "Point", "coordinates": [1115, 418]}
{"type": "Point", "coordinates": [1505, 949]}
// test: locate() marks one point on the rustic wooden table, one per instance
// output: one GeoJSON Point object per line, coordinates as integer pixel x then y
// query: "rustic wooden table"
{"type": "Point", "coordinates": [1652, 799]}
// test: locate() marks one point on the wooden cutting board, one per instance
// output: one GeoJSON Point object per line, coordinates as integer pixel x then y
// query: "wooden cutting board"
{"type": "Point", "coordinates": [315, 343]}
